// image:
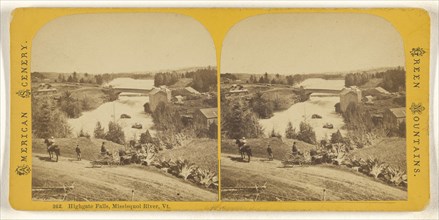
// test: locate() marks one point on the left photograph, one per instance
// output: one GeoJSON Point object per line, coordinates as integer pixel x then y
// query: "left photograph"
{"type": "Point", "coordinates": [124, 108]}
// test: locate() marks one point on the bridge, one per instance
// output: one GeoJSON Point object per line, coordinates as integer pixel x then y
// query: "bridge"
{"type": "Point", "coordinates": [132, 90]}
{"type": "Point", "coordinates": [331, 91]}
{"type": "Point", "coordinates": [315, 90]}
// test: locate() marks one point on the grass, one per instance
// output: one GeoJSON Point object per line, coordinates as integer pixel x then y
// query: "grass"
{"type": "Point", "coordinates": [201, 152]}
{"type": "Point", "coordinates": [392, 151]}
{"type": "Point", "coordinates": [90, 148]}
{"type": "Point", "coordinates": [280, 147]}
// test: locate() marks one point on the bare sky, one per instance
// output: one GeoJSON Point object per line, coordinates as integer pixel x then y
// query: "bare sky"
{"type": "Point", "coordinates": [112, 43]}
{"type": "Point", "coordinates": [311, 43]}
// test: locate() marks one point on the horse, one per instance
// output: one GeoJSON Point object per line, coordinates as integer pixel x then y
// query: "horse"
{"type": "Point", "coordinates": [246, 150]}
{"type": "Point", "coordinates": [241, 147]}
{"type": "Point", "coordinates": [52, 149]}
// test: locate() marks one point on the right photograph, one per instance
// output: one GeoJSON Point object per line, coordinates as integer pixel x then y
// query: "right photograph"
{"type": "Point", "coordinates": [313, 108]}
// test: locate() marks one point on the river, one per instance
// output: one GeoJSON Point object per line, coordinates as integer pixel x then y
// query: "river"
{"type": "Point", "coordinates": [111, 111]}
{"type": "Point", "coordinates": [321, 104]}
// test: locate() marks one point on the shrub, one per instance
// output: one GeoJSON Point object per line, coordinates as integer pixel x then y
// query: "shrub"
{"type": "Point", "coordinates": [275, 134]}
{"type": "Point", "coordinates": [99, 131]}
{"type": "Point", "coordinates": [207, 178]}
{"type": "Point", "coordinates": [146, 137]}
{"type": "Point", "coordinates": [115, 133]}
{"type": "Point", "coordinates": [290, 131]}
{"type": "Point", "coordinates": [306, 133]}
{"type": "Point", "coordinates": [83, 133]}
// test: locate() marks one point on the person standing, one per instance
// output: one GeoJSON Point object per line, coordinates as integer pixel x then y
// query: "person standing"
{"type": "Point", "coordinates": [103, 149]}
{"type": "Point", "coordinates": [78, 152]}
{"type": "Point", "coordinates": [294, 149]}
{"type": "Point", "coordinates": [270, 152]}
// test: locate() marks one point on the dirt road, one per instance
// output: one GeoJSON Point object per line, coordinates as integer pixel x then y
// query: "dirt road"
{"type": "Point", "coordinates": [300, 183]}
{"type": "Point", "coordinates": [114, 183]}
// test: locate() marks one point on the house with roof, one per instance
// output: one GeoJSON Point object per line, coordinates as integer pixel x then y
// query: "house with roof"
{"type": "Point", "coordinates": [348, 96]}
{"type": "Point", "coordinates": [393, 117]}
{"type": "Point", "coordinates": [157, 95]}
{"type": "Point", "coordinates": [377, 92]}
{"type": "Point", "coordinates": [204, 117]}
{"type": "Point", "coordinates": [191, 91]}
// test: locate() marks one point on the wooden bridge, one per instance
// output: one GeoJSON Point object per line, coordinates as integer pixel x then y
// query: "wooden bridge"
{"type": "Point", "coordinates": [331, 91]}
{"type": "Point", "coordinates": [132, 90]}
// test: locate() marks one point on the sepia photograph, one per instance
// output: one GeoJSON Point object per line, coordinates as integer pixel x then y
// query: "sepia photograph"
{"type": "Point", "coordinates": [313, 108]}
{"type": "Point", "coordinates": [124, 108]}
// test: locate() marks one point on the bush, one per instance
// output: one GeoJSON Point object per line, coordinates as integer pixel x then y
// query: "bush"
{"type": "Point", "coordinates": [275, 134]}
{"type": "Point", "coordinates": [83, 133]}
{"type": "Point", "coordinates": [290, 131]}
{"type": "Point", "coordinates": [115, 133]}
{"type": "Point", "coordinates": [99, 131]}
{"type": "Point", "coordinates": [306, 133]}
{"type": "Point", "coordinates": [146, 138]}
{"type": "Point", "coordinates": [337, 137]}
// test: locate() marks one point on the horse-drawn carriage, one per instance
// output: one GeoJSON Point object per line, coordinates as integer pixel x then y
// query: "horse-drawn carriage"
{"type": "Point", "coordinates": [298, 159]}
{"type": "Point", "coordinates": [105, 159]}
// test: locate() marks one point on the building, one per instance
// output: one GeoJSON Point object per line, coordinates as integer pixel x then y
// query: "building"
{"type": "Point", "coordinates": [377, 92]}
{"type": "Point", "coordinates": [348, 96]}
{"type": "Point", "coordinates": [191, 91]}
{"type": "Point", "coordinates": [158, 95]}
{"type": "Point", "coordinates": [205, 117]}
{"type": "Point", "coordinates": [393, 117]}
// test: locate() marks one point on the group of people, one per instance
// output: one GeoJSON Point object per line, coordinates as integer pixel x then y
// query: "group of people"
{"type": "Point", "coordinates": [294, 151]}
{"type": "Point", "coordinates": [244, 147]}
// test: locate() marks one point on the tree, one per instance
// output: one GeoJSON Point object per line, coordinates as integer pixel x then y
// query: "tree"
{"type": "Point", "coordinates": [146, 138]}
{"type": "Point", "coordinates": [238, 121]}
{"type": "Point", "coordinates": [290, 131]}
{"type": "Point", "coordinates": [306, 133]}
{"type": "Point", "coordinates": [263, 108]}
{"type": "Point", "coordinates": [69, 105]}
{"type": "Point", "coordinates": [167, 117]}
{"type": "Point", "coordinates": [99, 131]}
{"type": "Point", "coordinates": [115, 133]}
{"type": "Point", "coordinates": [99, 79]}
{"type": "Point", "coordinates": [336, 137]}
{"type": "Point", "coordinates": [48, 121]}
{"type": "Point", "coordinates": [75, 77]}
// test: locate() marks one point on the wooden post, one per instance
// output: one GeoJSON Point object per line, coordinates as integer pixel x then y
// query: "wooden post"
{"type": "Point", "coordinates": [324, 195]}
{"type": "Point", "coordinates": [132, 195]}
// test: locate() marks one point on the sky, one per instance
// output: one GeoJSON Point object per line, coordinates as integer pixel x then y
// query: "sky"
{"type": "Point", "coordinates": [311, 43]}
{"type": "Point", "coordinates": [115, 43]}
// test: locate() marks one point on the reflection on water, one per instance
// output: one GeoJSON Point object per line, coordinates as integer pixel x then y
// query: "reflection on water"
{"type": "Point", "coordinates": [321, 104]}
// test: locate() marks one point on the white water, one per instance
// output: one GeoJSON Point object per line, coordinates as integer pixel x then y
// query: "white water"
{"type": "Point", "coordinates": [317, 104]}
{"type": "Point", "coordinates": [111, 111]}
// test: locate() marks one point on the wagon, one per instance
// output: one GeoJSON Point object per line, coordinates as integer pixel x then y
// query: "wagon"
{"type": "Point", "coordinates": [104, 160]}
{"type": "Point", "coordinates": [298, 160]}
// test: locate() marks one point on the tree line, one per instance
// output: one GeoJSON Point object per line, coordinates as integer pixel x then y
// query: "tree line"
{"type": "Point", "coordinates": [276, 79]}
{"type": "Point", "coordinates": [203, 80]}
{"type": "Point", "coordinates": [393, 80]}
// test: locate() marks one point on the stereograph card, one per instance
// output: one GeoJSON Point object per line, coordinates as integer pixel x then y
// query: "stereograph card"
{"type": "Point", "coordinates": [219, 109]}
